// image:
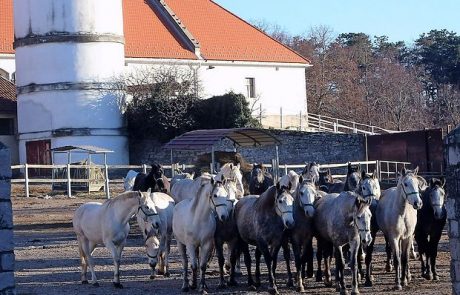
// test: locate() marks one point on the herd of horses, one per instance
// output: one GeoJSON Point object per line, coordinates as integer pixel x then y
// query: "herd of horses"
{"type": "Point", "coordinates": [208, 211]}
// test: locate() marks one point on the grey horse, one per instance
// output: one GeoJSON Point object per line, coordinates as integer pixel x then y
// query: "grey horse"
{"type": "Point", "coordinates": [262, 221]}
{"type": "Point", "coordinates": [342, 219]}
{"type": "Point", "coordinates": [397, 217]}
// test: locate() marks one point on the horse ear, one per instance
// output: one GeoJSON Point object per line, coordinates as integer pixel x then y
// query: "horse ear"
{"type": "Point", "coordinates": [278, 185]}
{"type": "Point", "coordinates": [149, 190]}
{"type": "Point", "coordinates": [231, 165]}
{"type": "Point", "coordinates": [300, 179]}
{"type": "Point", "coordinates": [238, 166]}
{"type": "Point", "coordinates": [403, 172]}
{"type": "Point", "coordinates": [374, 174]}
{"type": "Point", "coordinates": [212, 180]}
{"type": "Point", "coordinates": [363, 174]}
{"type": "Point", "coordinates": [443, 181]}
{"type": "Point", "coordinates": [416, 170]}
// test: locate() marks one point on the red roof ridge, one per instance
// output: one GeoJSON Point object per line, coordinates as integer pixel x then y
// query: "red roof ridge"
{"type": "Point", "coordinates": [287, 47]}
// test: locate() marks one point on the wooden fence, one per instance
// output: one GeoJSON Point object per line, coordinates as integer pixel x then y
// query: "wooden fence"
{"type": "Point", "coordinates": [387, 172]}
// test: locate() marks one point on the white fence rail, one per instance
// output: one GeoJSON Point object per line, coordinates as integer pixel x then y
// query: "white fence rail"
{"type": "Point", "coordinates": [329, 124]}
{"type": "Point", "coordinates": [387, 171]}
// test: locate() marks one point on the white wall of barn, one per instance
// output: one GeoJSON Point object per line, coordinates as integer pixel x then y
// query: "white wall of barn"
{"type": "Point", "coordinates": [276, 85]}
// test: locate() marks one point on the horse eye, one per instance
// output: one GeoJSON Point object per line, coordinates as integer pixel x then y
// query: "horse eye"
{"type": "Point", "coordinates": [280, 201]}
{"type": "Point", "coordinates": [359, 217]}
{"type": "Point", "coordinates": [364, 188]}
{"type": "Point", "coordinates": [405, 184]}
{"type": "Point", "coordinates": [215, 196]}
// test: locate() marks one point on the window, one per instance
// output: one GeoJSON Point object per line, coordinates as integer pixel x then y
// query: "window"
{"type": "Point", "coordinates": [6, 126]}
{"type": "Point", "coordinates": [251, 87]}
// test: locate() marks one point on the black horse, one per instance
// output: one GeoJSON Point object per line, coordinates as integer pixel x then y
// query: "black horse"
{"type": "Point", "coordinates": [260, 180]}
{"type": "Point", "coordinates": [325, 180]}
{"type": "Point", "coordinates": [153, 180]}
{"type": "Point", "coordinates": [431, 220]}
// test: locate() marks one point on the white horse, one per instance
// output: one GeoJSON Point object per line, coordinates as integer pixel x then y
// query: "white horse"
{"type": "Point", "coordinates": [181, 176]}
{"type": "Point", "coordinates": [128, 181]}
{"type": "Point", "coordinates": [108, 224]}
{"type": "Point", "coordinates": [291, 178]}
{"type": "Point", "coordinates": [311, 172]}
{"type": "Point", "coordinates": [158, 250]}
{"type": "Point", "coordinates": [397, 217]}
{"type": "Point", "coordinates": [194, 225]}
{"type": "Point", "coordinates": [187, 188]}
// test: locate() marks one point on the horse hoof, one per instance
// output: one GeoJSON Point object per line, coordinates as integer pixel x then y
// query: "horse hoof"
{"type": "Point", "coordinates": [309, 273]}
{"type": "Point", "coordinates": [185, 289]}
{"type": "Point", "coordinates": [204, 292]}
{"type": "Point", "coordinates": [96, 284]}
{"type": "Point", "coordinates": [118, 285]}
{"type": "Point", "coordinates": [167, 274]}
{"type": "Point", "coordinates": [355, 292]}
{"type": "Point", "coordinates": [343, 292]}
{"type": "Point", "coordinates": [398, 287]}
{"type": "Point", "coordinates": [435, 278]}
{"type": "Point", "coordinates": [257, 284]}
{"type": "Point", "coordinates": [389, 268]}
{"type": "Point", "coordinates": [252, 288]}
{"type": "Point", "coordinates": [193, 286]}
{"type": "Point", "coordinates": [290, 284]}
{"type": "Point", "coordinates": [328, 283]}
{"type": "Point", "coordinates": [85, 282]}
{"type": "Point", "coordinates": [368, 283]}
{"type": "Point", "coordinates": [160, 272]}
{"type": "Point", "coordinates": [152, 277]}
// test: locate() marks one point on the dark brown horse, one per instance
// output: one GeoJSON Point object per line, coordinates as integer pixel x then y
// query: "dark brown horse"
{"type": "Point", "coordinates": [260, 180]}
{"type": "Point", "coordinates": [263, 221]}
{"type": "Point", "coordinates": [154, 180]}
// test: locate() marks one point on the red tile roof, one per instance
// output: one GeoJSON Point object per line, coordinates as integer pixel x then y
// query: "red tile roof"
{"type": "Point", "coordinates": [221, 34]}
{"type": "Point", "coordinates": [7, 96]}
{"type": "Point", "coordinates": [6, 26]}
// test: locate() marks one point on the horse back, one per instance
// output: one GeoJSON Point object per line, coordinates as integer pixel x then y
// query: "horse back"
{"type": "Point", "coordinates": [87, 221]}
{"type": "Point", "coordinates": [139, 182]}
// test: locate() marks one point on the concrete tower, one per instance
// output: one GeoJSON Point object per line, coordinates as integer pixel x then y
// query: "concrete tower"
{"type": "Point", "coordinates": [67, 53]}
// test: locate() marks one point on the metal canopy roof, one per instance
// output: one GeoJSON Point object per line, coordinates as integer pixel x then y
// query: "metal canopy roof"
{"type": "Point", "coordinates": [81, 148]}
{"type": "Point", "coordinates": [244, 137]}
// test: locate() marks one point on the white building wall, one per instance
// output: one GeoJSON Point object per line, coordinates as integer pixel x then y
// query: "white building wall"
{"type": "Point", "coordinates": [63, 77]}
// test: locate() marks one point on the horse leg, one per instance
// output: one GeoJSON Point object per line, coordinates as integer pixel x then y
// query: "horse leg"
{"type": "Point", "coordinates": [183, 252]}
{"type": "Point", "coordinates": [405, 252]}
{"type": "Point", "coordinates": [220, 258]}
{"type": "Point", "coordinates": [166, 256]}
{"type": "Point", "coordinates": [319, 257]}
{"type": "Point", "coordinates": [115, 250]}
{"type": "Point", "coordinates": [298, 265]}
{"type": "Point", "coordinates": [205, 254]}
{"type": "Point", "coordinates": [287, 258]}
{"type": "Point", "coordinates": [434, 241]}
{"type": "Point", "coordinates": [328, 249]}
{"type": "Point", "coordinates": [84, 264]}
{"type": "Point", "coordinates": [257, 255]}
{"type": "Point", "coordinates": [339, 270]}
{"type": "Point", "coordinates": [389, 251]}
{"type": "Point", "coordinates": [396, 262]}
{"type": "Point", "coordinates": [307, 258]}
{"type": "Point", "coordinates": [422, 243]}
{"type": "Point", "coordinates": [192, 253]}
{"type": "Point", "coordinates": [355, 249]}
{"type": "Point", "coordinates": [271, 261]}
{"type": "Point", "coordinates": [88, 248]}
{"type": "Point", "coordinates": [368, 260]}
{"type": "Point", "coordinates": [413, 253]}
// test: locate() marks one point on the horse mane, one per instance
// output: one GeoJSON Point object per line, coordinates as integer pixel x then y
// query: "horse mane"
{"type": "Point", "coordinates": [267, 198]}
{"type": "Point", "coordinates": [123, 196]}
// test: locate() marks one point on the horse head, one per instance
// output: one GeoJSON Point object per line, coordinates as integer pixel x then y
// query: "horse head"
{"type": "Point", "coordinates": [325, 179]}
{"type": "Point", "coordinates": [353, 177]}
{"type": "Point", "coordinates": [437, 196]}
{"type": "Point", "coordinates": [217, 195]}
{"type": "Point", "coordinates": [306, 196]}
{"type": "Point", "coordinates": [147, 213]}
{"type": "Point", "coordinates": [362, 220]}
{"type": "Point", "coordinates": [258, 173]}
{"type": "Point", "coordinates": [311, 172]}
{"type": "Point", "coordinates": [409, 185]}
{"type": "Point", "coordinates": [369, 186]}
{"type": "Point", "coordinates": [284, 203]}
{"type": "Point", "coordinates": [233, 174]}
{"type": "Point", "coordinates": [152, 247]}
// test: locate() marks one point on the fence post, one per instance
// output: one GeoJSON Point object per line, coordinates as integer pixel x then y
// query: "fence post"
{"type": "Point", "coordinates": [107, 188]}
{"type": "Point", "coordinates": [26, 181]}
{"type": "Point", "coordinates": [285, 169]}
{"type": "Point", "coordinates": [144, 168]}
{"type": "Point", "coordinates": [335, 127]}
{"type": "Point", "coordinates": [69, 184]}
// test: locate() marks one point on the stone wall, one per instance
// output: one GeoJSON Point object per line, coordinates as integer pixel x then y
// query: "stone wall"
{"type": "Point", "coordinates": [452, 157]}
{"type": "Point", "coordinates": [6, 225]}
{"type": "Point", "coordinates": [297, 147]}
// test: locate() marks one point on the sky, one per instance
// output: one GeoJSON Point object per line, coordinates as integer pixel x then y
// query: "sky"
{"type": "Point", "coordinates": [400, 20]}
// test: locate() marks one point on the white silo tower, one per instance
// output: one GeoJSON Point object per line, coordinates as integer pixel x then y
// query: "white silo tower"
{"type": "Point", "coordinates": [67, 54]}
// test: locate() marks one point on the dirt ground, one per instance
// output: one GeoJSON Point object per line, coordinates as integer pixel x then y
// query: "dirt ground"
{"type": "Point", "coordinates": [47, 258]}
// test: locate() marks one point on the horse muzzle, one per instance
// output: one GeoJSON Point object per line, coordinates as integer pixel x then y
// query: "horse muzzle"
{"type": "Point", "coordinates": [438, 213]}
{"type": "Point", "coordinates": [309, 210]}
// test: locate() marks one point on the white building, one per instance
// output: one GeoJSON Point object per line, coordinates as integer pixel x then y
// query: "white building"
{"type": "Point", "coordinates": [228, 54]}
